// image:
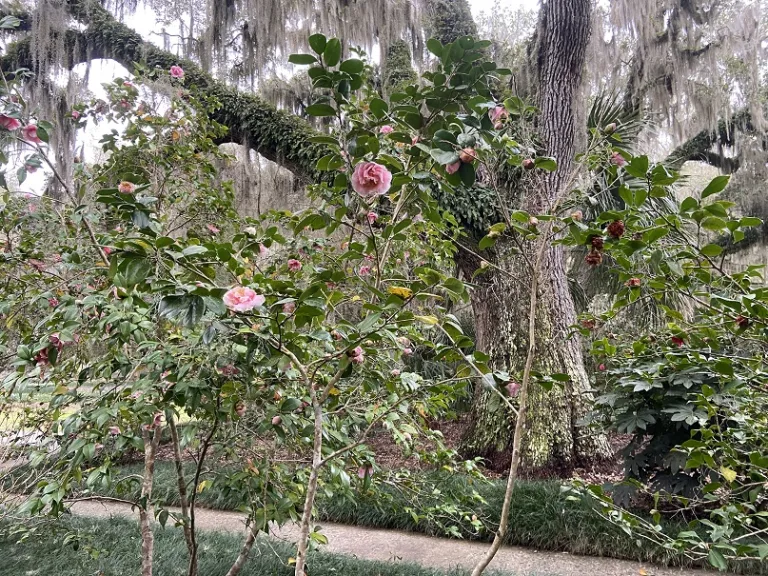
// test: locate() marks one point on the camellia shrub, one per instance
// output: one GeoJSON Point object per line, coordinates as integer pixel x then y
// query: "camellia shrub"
{"type": "Point", "coordinates": [270, 348]}
{"type": "Point", "coordinates": [692, 393]}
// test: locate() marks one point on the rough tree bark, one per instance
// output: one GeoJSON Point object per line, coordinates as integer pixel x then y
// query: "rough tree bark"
{"type": "Point", "coordinates": [552, 437]}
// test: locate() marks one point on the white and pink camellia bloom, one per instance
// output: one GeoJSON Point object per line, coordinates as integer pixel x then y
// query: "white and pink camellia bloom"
{"type": "Point", "coordinates": [242, 299]}
{"type": "Point", "coordinates": [212, 229]}
{"type": "Point", "coordinates": [263, 250]}
{"type": "Point", "coordinates": [372, 217]}
{"type": "Point", "coordinates": [497, 114]}
{"type": "Point", "coordinates": [294, 265]}
{"type": "Point", "coordinates": [453, 168]}
{"type": "Point", "coordinates": [370, 179]}
{"type": "Point", "coordinates": [177, 72]}
{"type": "Point", "coordinates": [8, 123]}
{"type": "Point", "coordinates": [386, 129]}
{"type": "Point", "coordinates": [29, 133]}
{"type": "Point", "coordinates": [617, 159]}
{"type": "Point", "coordinates": [75, 114]}
{"type": "Point", "coordinates": [365, 270]}
{"type": "Point", "coordinates": [126, 187]}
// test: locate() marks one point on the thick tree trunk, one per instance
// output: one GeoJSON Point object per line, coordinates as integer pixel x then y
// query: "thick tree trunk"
{"type": "Point", "coordinates": [552, 438]}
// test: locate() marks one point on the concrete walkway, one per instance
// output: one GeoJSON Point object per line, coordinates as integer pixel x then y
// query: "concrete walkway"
{"type": "Point", "coordinates": [388, 545]}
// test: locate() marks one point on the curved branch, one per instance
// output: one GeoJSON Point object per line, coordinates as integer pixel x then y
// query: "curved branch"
{"type": "Point", "coordinates": [276, 135]}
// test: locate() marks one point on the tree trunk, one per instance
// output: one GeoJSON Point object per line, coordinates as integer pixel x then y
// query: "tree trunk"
{"type": "Point", "coordinates": [146, 510]}
{"type": "Point", "coordinates": [552, 438]}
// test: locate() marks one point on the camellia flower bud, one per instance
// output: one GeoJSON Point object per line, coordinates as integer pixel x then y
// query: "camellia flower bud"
{"type": "Point", "coordinates": [529, 164]}
{"type": "Point", "coordinates": [467, 155]}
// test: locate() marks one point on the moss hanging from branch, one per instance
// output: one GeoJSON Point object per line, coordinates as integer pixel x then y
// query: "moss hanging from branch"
{"type": "Point", "coordinates": [450, 19]}
{"type": "Point", "coordinates": [276, 135]}
{"type": "Point", "coordinates": [398, 69]}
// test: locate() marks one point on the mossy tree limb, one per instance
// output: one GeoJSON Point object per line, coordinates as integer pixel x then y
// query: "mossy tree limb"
{"type": "Point", "coordinates": [276, 135]}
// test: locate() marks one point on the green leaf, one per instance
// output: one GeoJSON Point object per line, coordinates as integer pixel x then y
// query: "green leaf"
{"type": "Point", "coordinates": [486, 242]}
{"type": "Point", "coordinates": [352, 66]}
{"type": "Point", "coordinates": [332, 52]}
{"type": "Point", "coordinates": [546, 163]}
{"type": "Point", "coordinates": [750, 221]}
{"type": "Point", "coordinates": [42, 133]}
{"type": "Point", "coordinates": [317, 42]}
{"type": "Point", "coordinates": [718, 184]}
{"type": "Point", "coordinates": [467, 174]}
{"type": "Point", "coordinates": [638, 167]}
{"type": "Point", "coordinates": [378, 108]}
{"type": "Point", "coordinates": [713, 223]}
{"type": "Point", "coordinates": [302, 59]}
{"type": "Point", "coordinates": [689, 204]}
{"type": "Point", "coordinates": [717, 560]}
{"type": "Point", "coordinates": [434, 46]}
{"type": "Point", "coordinates": [192, 250]}
{"type": "Point", "coordinates": [321, 110]}
{"type": "Point", "coordinates": [187, 309]}
{"type": "Point", "coordinates": [712, 250]}
{"type": "Point", "coordinates": [444, 157]}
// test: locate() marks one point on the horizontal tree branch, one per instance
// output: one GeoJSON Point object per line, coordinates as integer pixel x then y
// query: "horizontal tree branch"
{"type": "Point", "coordinates": [278, 136]}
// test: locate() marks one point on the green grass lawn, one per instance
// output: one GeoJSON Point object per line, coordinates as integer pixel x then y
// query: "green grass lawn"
{"type": "Point", "coordinates": [111, 548]}
{"type": "Point", "coordinates": [541, 517]}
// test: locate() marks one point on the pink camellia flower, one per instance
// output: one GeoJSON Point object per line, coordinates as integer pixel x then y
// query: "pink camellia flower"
{"type": "Point", "coordinates": [414, 140]}
{"type": "Point", "coordinates": [677, 341]}
{"type": "Point", "coordinates": [407, 351]}
{"type": "Point", "coordinates": [357, 355]}
{"type": "Point", "coordinates": [453, 168]}
{"type": "Point", "coordinates": [128, 84]}
{"type": "Point", "coordinates": [75, 114]}
{"type": "Point", "coordinates": [107, 250]}
{"type": "Point", "coordinates": [365, 270]}
{"type": "Point", "coordinates": [498, 114]}
{"type": "Point", "coordinates": [177, 72]}
{"type": "Point", "coordinates": [370, 179]}
{"type": "Point", "coordinates": [395, 373]}
{"type": "Point", "coordinates": [29, 133]}
{"type": "Point", "coordinates": [55, 339]}
{"type": "Point", "coordinates": [126, 187]}
{"type": "Point", "coordinates": [617, 159]}
{"type": "Point", "coordinates": [240, 409]}
{"type": "Point", "coordinates": [114, 431]}
{"type": "Point", "coordinates": [263, 250]}
{"type": "Point", "coordinates": [212, 229]}
{"type": "Point", "coordinates": [372, 217]}
{"type": "Point", "coordinates": [289, 307]}
{"type": "Point", "coordinates": [294, 265]}
{"type": "Point", "coordinates": [336, 335]}
{"type": "Point", "coordinates": [386, 129]}
{"type": "Point", "coordinates": [364, 471]}
{"type": "Point", "coordinates": [8, 123]}
{"type": "Point", "coordinates": [601, 367]}
{"type": "Point", "coordinates": [53, 302]}
{"type": "Point", "coordinates": [513, 388]}
{"type": "Point", "coordinates": [242, 299]}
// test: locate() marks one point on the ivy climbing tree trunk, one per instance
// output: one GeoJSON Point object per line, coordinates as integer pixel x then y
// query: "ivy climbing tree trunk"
{"type": "Point", "coordinates": [552, 436]}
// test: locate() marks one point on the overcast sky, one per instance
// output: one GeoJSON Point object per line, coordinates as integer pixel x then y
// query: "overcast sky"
{"type": "Point", "coordinates": [488, 5]}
